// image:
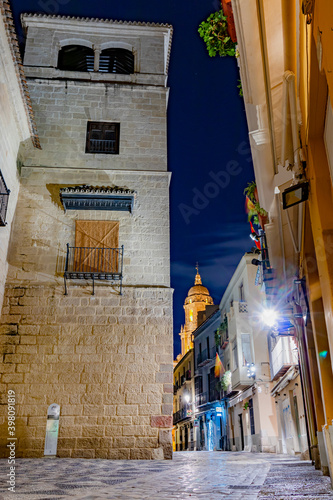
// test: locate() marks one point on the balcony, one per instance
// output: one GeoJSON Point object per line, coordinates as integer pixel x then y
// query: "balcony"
{"type": "Point", "coordinates": [283, 355]}
{"type": "Point", "coordinates": [182, 414]}
{"type": "Point", "coordinates": [102, 264]}
{"type": "Point", "coordinates": [201, 399]}
{"type": "Point", "coordinates": [206, 356]}
{"type": "Point", "coordinates": [102, 146]}
{"type": "Point", "coordinates": [214, 395]}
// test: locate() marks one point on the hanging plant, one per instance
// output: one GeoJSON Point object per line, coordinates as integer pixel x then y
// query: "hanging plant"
{"type": "Point", "coordinates": [255, 212]}
{"type": "Point", "coordinates": [217, 338]}
{"type": "Point", "coordinates": [214, 32]}
{"type": "Point", "coordinates": [226, 380]}
{"type": "Point", "coordinates": [251, 191]}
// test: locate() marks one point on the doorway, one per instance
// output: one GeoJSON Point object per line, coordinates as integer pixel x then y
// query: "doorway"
{"type": "Point", "coordinates": [240, 416]}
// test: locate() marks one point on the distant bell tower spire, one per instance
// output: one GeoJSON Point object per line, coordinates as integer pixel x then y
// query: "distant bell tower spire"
{"type": "Point", "coordinates": [197, 300]}
{"type": "Point", "coordinates": [197, 280]}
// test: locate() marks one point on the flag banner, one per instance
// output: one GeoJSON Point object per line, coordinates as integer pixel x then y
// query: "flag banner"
{"type": "Point", "coordinates": [219, 368]}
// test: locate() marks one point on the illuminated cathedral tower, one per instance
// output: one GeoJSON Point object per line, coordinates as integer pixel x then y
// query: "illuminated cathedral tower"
{"type": "Point", "coordinates": [197, 299]}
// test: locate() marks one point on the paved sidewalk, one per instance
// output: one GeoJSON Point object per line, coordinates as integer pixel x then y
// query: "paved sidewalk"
{"type": "Point", "coordinates": [190, 476]}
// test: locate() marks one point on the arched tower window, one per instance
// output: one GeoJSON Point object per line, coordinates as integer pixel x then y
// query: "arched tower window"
{"type": "Point", "coordinates": [116, 61]}
{"type": "Point", "coordinates": [76, 58]}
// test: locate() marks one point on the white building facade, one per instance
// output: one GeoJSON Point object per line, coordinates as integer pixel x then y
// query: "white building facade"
{"type": "Point", "coordinates": [243, 346]}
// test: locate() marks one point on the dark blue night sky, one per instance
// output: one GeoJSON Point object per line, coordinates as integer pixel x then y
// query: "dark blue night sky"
{"type": "Point", "coordinates": [209, 154]}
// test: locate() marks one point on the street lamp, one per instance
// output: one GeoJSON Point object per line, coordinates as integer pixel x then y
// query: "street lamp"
{"type": "Point", "coordinates": [251, 370]}
{"type": "Point", "coordinates": [187, 398]}
{"type": "Point", "coordinates": [269, 317]}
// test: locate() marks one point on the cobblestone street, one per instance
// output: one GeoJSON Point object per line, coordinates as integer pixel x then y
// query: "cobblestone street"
{"type": "Point", "coordinates": [190, 476]}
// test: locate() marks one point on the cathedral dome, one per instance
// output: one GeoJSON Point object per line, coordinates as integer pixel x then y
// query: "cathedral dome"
{"type": "Point", "coordinates": [198, 289]}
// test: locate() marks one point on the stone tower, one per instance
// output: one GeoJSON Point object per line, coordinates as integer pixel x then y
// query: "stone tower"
{"type": "Point", "coordinates": [197, 299]}
{"type": "Point", "coordinates": [93, 208]}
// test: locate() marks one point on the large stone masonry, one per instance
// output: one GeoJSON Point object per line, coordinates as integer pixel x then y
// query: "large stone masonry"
{"type": "Point", "coordinates": [105, 359]}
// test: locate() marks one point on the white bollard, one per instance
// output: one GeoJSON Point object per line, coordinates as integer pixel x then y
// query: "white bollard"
{"type": "Point", "coordinates": [52, 429]}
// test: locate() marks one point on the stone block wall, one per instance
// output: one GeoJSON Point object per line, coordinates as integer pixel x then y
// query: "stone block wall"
{"type": "Point", "coordinates": [63, 109]}
{"type": "Point", "coordinates": [42, 228]}
{"type": "Point", "coordinates": [46, 35]}
{"type": "Point", "coordinates": [105, 359]}
{"type": "Point", "coordinates": [14, 128]}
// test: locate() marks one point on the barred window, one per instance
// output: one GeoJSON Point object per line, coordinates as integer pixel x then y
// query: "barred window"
{"type": "Point", "coordinates": [102, 138]}
{"type": "Point", "coordinates": [116, 60]}
{"type": "Point", "coordinates": [76, 58]}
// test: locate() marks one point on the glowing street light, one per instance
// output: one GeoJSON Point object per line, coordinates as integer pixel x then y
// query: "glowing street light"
{"type": "Point", "coordinates": [187, 398]}
{"type": "Point", "coordinates": [269, 317]}
{"type": "Point", "coordinates": [251, 370]}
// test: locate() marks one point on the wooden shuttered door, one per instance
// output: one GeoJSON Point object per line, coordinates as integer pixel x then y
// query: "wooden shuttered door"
{"type": "Point", "coordinates": [96, 246]}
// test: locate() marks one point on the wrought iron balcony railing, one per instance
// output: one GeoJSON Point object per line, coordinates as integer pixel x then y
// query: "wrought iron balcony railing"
{"type": "Point", "coordinates": [201, 399]}
{"type": "Point", "coordinates": [4, 195]}
{"type": "Point", "coordinates": [105, 264]}
{"type": "Point", "coordinates": [102, 146]}
{"type": "Point", "coordinates": [205, 356]}
{"type": "Point", "coordinates": [185, 412]}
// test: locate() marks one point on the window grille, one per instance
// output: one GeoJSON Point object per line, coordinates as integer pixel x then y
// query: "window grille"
{"type": "Point", "coordinates": [102, 138]}
{"type": "Point", "coordinates": [76, 58]}
{"type": "Point", "coordinates": [115, 60]}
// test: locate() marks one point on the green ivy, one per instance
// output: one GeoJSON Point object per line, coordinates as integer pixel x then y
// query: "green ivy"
{"type": "Point", "coordinates": [240, 88]}
{"type": "Point", "coordinates": [214, 31]}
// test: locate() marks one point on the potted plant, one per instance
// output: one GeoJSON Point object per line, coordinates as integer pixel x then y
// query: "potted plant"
{"type": "Point", "coordinates": [214, 31]}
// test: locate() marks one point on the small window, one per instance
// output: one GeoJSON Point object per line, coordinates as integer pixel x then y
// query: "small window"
{"type": "Point", "coordinates": [76, 58]}
{"type": "Point", "coordinates": [246, 348]}
{"type": "Point", "coordinates": [241, 293]}
{"type": "Point", "coordinates": [4, 195]}
{"type": "Point", "coordinates": [115, 60]}
{"type": "Point", "coordinates": [235, 354]}
{"type": "Point", "coordinates": [103, 138]}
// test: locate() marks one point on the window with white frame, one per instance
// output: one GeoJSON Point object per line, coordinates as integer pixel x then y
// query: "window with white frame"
{"type": "Point", "coordinates": [246, 349]}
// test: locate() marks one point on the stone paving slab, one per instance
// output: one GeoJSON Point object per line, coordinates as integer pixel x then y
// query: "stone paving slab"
{"type": "Point", "coordinates": [189, 476]}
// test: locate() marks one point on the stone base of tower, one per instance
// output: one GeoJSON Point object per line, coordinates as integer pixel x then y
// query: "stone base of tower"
{"type": "Point", "coordinates": [105, 359]}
